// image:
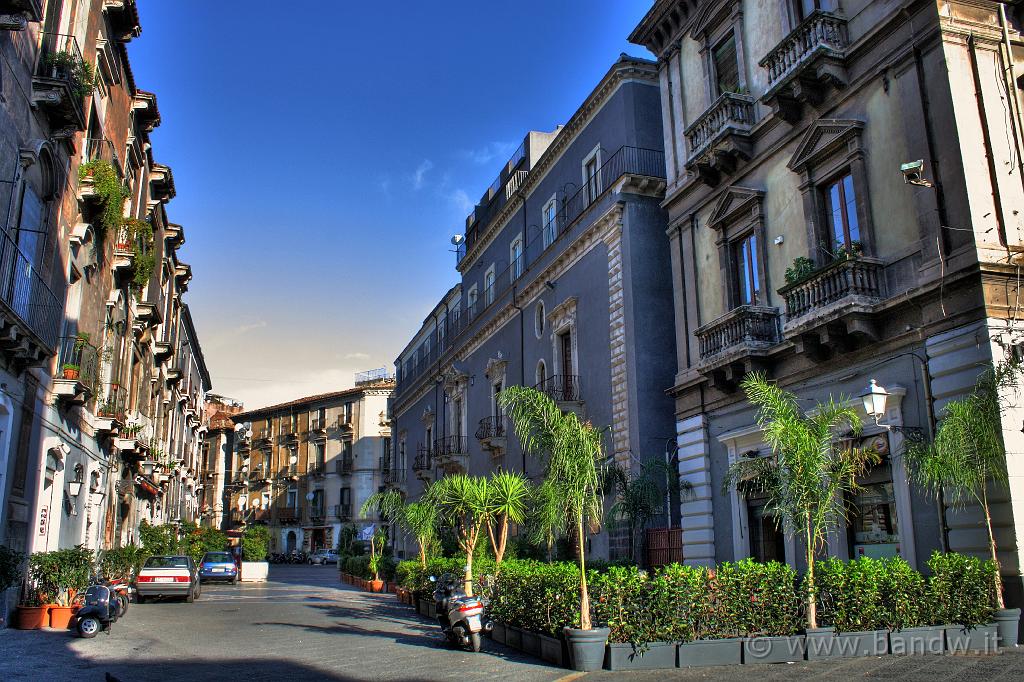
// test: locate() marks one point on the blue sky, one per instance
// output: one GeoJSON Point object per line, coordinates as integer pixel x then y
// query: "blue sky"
{"type": "Point", "coordinates": [324, 152]}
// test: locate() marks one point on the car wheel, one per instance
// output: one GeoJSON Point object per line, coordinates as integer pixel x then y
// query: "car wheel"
{"type": "Point", "coordinates": [88, 627]}
{"type": "Point", "coordinates": [190, 597]}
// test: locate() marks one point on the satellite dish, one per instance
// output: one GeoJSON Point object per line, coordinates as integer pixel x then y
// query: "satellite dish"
{"type": "Point", "coordinates": [457, 239]}
{"type": "Point", "coordinates": [241, 502]}
{"type": "Point", "coordinates": [310, 496]}
{"type": "Point", "coordinates": [257, 503]}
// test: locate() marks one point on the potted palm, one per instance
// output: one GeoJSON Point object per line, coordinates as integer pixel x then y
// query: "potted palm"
{"type": "Point", "coordinates": [507, 495]}
{"type": "Point", "coordinates": [806, 478]}
{"type": "Point", "coordinates": [376, 555]}
{"type": "Point", "coordinates": [966, 455]}
{"type": "Point", "coordinates": [418, 519]}
{"type": "Point", "coordinates": [573, 457]}
{"type": "Point", "coordinates": [462, 504]}
{"type": "Point", "coordinates": [639, 497]}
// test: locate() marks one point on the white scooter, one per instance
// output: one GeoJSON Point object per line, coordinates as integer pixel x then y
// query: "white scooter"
{"type": "Point", "coordinates": [460, 617]}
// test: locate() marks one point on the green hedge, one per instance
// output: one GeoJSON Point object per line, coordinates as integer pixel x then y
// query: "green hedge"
{"type": "Point", "coordinates": [961, 590]}
{"type": "Point", "coordinates": [359, 566]}
{"type": "Point", "coordinates": [537, 596]}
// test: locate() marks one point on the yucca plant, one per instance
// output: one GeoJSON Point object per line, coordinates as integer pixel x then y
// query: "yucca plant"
{"type": "Point", "coordinates": [572, 452]}
{"type": "Point", "coordinates": [418, 519]}
{"type": "Point", "coordinates": [968, 451]}
{"type": "Point", "coordinates": [462, 504]}
{"type": "Point", "coordinates": [507, 496]}
{"type": "Point", "coordinates": [808, 475]}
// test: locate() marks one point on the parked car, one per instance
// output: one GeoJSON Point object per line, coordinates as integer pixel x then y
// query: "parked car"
{"type": "Point", "coordinates": [323, 557]}
{"type": "Point", "coordinates": [168, 576]}
{"type": "Point", "coordinates": [218, 566]}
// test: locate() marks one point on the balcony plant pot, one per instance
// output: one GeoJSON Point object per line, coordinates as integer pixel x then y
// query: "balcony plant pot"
{"type": "Point", "coordinates": [552, 650]}
{"type": "Point", "coordinates": [375, 585]}
{"type": "Point", "coordinates": [827, 643]}
{"type": "Point", "coordinates": [498, 632]}
{"type": "Point", "coordinates": [979, 640]}
{"type": "Point", "coordinates": [531, 642]}
{"type": "Point", "coordinates": [930, 639]}
{"type": "Point", "coordinates": [70, 372]}
{"type": "Point", "coordinates": [586, 648]}
{"type": "Point", "coordinates": [60, 617]}
{"type": "Point", "coordinates": [32, 617]}
{"type": "Point", "coordinates": [1008, 624]}
{"type": "Point", "coordinates": [710, 652]}
{"type": "Point", "coordinates": [657, 656]}
{"type": "Point", "coordinates": [785, 649]}
{"type": "Point", "coordinates": [514, 637]}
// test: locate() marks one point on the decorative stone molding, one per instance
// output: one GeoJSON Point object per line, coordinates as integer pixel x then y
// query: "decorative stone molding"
{"type": "Point", "coordinates": [13, 22]}
{"type": "Point", "coordinates": [496, 367]}
{"type": "Point", "coordinates": [617, 347]}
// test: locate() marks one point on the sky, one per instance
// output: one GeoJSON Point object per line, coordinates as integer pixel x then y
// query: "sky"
{"type": "Point", "coordinates": [325, 151]}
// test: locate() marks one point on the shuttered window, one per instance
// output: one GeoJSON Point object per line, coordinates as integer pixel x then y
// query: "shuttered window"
{"type": "Point", "coordinates": [727, 70]}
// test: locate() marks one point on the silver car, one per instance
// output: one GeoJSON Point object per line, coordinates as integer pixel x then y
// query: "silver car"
{"type": "Point", "coordinates": [168, 576]}
{"type": "Point", "coordinates": [323, 557]}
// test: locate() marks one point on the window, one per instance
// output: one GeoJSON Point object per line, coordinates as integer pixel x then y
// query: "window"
{"type": "Point", "coordinates": [346, 451]}
{"type": "Point", "coordinates": [841, 215]}
{"type": "Point", "coordinates": [385, 445]}
{"type": "Point", "coordinates": [874, 528]}
{"type": "Point", "coordinates": [515, 257]}
{"type": "Point", "coordinates": [317, 503]}
{"type": "Point", "coordinates": [346, 498]}
{"type": "Point", "coordinates": [542, 374]}
{"type": "Point", "coordinates": [590, 178]}
{"type": "Point", "coordinates": [489, 286]}
{"type": "Point", "coordinates": [457, 417]}
{"type": "Point", "coordinates": [767, 543]}
{"type": "Point", "coordinates": [565, 352]}
{"type": "Point", "coordinates": [726, 66]}
{"type": "Point", "coordinates": [401, 454]}
{"type": "Point", "coordinates": [471, 301]}
{"type": "Point", "coordinates": [496, 389]}
{"type": "Point", "coordinates": [318, 453]}
{"type": "Point", "coordinates": [549, 221]}
{"type": "Point", "coordinates": [539, 319]}
{"type": "Point", "coordinates": [745, 257]}
{"type": "Point", "coordinates": [804, 8]}
{"type": "Point", "coordinates": [292, 498]}
{"type": "Point", "coordinates": [429, 438]}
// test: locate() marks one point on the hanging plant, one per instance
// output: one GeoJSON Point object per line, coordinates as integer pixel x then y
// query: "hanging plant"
{"type": "Point", "coordinates": [140, 235]}
{"type": "Point", "coordinates": [112, 193]}
{"type": "Point", "coordinates": [80, 74]}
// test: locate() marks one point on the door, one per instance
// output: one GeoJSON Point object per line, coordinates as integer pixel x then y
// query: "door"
{"type": "Point", "coordinates": [289, 545]}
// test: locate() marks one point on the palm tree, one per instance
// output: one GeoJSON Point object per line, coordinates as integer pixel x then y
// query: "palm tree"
{"type": "Point", "coordinates": [968, 451]}
{"type": "Point", "coordinates": [462, 503]}
{"type": "Point", "coordinates": [507, 496]}
{"type": "Point", "coordinates": [808, 476]}
{"type": "Point", "coordinates": [418, 519]}
{"type": "Point", "coordinates": [546, 518]}
{"type": "Point", "coordinates": [572, 452]}
{"type": "Point", "coordinates": [639, 496]}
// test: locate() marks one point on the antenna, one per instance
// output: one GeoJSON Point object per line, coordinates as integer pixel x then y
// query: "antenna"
{"type": "Point", "coordinates": [457, 239]}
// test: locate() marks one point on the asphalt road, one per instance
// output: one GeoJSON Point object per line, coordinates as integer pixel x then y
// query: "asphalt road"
{"type": "Point", "coordinates": [305, 625]}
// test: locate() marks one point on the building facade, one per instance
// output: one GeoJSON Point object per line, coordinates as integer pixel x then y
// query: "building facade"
{"type": "Point", "coordinates": [844, 185]}
{"type": "Point", "coordinates": [103, 361]}
{"type": "Point", "coordinates": [305, 467]}
{"type": "Point", "coordinates": [564, 285]}
{"type": "Point", "coordinates": [217, 457]}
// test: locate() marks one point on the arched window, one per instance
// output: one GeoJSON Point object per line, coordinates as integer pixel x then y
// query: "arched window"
{"type": "Point", "coordinates": [542, 374]}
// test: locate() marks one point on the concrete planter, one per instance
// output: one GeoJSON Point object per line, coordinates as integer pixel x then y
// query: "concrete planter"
{"type": "Point", "coordinates": [924, 640]}
{"type": "Point", "coordinates": [586, 648]}
{"type": "Point", "coordinates": [514, 637]}
{"type": "Point", "coordinates": [1008, 624]}
{"type": "Point", "coordinates": [980, 640]}
{"type": "Point", "coordinates": [774, 649]}
{"type": "Point", "coordinates": [255, 571]}
{"type": "Point", "coordinates": [531, 642]}
{"type": "Point", "coordinates": [553, 650]}
{"type": "Point", "coordinates": [422, 607]}
{"type": "Point", "coordinates": [658, 656]}
{"type": "Point", "coordinates": [498, 633]}
{"type": "Point", "coordinates": [827, 643]}
{"type": "Point", "coordinates": [708, 652]}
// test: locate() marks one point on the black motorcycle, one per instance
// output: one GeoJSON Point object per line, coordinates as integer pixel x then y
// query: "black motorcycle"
{"type": "Point", "coordinates": [98, 612]}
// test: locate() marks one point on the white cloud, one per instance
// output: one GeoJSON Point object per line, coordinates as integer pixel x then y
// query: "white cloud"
{"type": "Point", "coordinates": [250, 327]}
{"type": "Point", "coordinates": [356, 356]}
{"type": "Point", "coordinates": [419, 176]}
{"type": "Point", "coordinates": [493, 151]}
{"type": "Point", "coordinates": [460, 199]}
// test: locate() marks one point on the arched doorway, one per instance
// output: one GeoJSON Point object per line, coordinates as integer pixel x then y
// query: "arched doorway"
{"type": "Point", "coordinates": [289, 545]}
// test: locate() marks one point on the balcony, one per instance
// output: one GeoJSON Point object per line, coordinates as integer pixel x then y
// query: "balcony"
{"type": "Point", "coordinates": [343, 465]}
{"type": "Point", "coordinates": [30, 313]}
{"type": "Point", "coordinates": [342, 512]}
{"type": "Point", "coordinates": [737, 343]}
{"type": "Point", "coordinates": [491, 433]}
{"type": "Point", "coordinates": [832, 309]}
{"type": "Point", "coordinates": [317, 425]}
{"type": "Point", "coordinates": [61, 82]}
{"type": "Point", "coordinates": [111, 400]}
{"type": "Point", "coordinates": [262, 438]}
{"type": "Point", "coordinates": [424, 460]}
{"type": "Point", "coordinates": [345, 422]}
{"type": "Point", "coordinates": [161, 183]}
{"type": "Point", "coordinates": [720, 139]}
{"type": "Point", "coordinates": [15, 14]}
{"type": "Point", "coordinates": [316, 514]}
{"type": "Point", "coordinates": [135, 436]}
{"type": "Point", "coordinates": [315, 469]}
{"type": "Point", "coordinates": [124, 18]}
{"type": "Point", "coordinates": [290, 472]}
{"type": "Point", "coordinates": [393, 476]}
{"type": "Point", "coordinates": [450, 446]}
{"type": "Point", "coordinates": [288, 515]}
{"type": "Point", "coordinates": [77, 362]}
{"type": "Point", "coordinates": [809, 61]}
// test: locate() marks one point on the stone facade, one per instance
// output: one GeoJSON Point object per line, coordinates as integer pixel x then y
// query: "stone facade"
{"type": "Point", "coordinates": [785, 133]}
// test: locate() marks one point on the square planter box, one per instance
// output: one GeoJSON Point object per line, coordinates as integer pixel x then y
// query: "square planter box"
{"type": "Point", "coordinates": [498, 633]}
{"type": "Point", "coordinates": [423, 607]}
{"type": "Point", "coordinates": [514, 637]}
{"type": "Point", "coordinates": [981, 640]}
{"type": "Point", "coordinates": [925, 640]}
{"type": "Point", "coordinates": [826, 643]}
{"type": "Point", "coordinates": [711, 652]}
{"type": "Point", "coordinates": [531, 642]}
{"type": "Point", "coordinates": [553, 650]}
{"type": "Point", "coordinates": [659, 656]}
{"type": "Point", "coordinates": [774, 649]}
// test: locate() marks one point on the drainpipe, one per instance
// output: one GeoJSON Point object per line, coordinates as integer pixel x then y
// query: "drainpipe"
{"type": "Point", "coordinates": [522, 341]}
{"type": "Point", "coordinates": [929, 136]}
{"type": "Point", "coordinates": [987, 140]}
{"type": "Point", "coordinates": [1010, 85]}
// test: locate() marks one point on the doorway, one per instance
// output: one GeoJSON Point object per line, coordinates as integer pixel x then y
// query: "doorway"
{"type": "Point", "coordinates": [289, 543]}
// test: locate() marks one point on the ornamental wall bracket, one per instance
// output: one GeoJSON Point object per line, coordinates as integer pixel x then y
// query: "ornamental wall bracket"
{"type": "Point", "coordinates": [455, 380]}
{"type": "Point", "coordinates": [13, 22]}
{"type": "Point", "coordinates": [428, 416]}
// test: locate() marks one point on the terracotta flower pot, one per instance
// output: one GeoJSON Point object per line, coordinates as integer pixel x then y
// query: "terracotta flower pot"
{"type": "Point", "coordinates": [70, 373]}
{"type": "Point", "coordinates": [375, 585]}
{"type": "Point", "coordinates": [33, 617]}
{"type": "Point", "coordinates": [60, 617]}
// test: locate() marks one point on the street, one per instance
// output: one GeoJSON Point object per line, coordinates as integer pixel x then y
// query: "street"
{"type": "Point", "coordinates": [305, 625]}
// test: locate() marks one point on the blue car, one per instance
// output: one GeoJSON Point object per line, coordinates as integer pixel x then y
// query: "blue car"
{"type": "Point", "coordinates": [218, 566]}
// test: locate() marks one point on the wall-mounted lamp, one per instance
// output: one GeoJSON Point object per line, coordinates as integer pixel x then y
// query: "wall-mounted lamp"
{"type": "Point", "coordinates": [874, 399]}
{"type": "Point", "coordinates": [549, 284]}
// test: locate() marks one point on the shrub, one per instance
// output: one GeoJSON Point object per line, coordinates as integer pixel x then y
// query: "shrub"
{"type": "Point", "coordinates": [961, 590]}
{"type": "Point", "coordinates": [618, 598]}
{"type": "Point", "coordinates": [758, 599]}
{"type": "Point", "coordinates": [10, 567]}
{"type": "Point", "coordinates": [255, 541]}
{"type": "Point", "coordinates": [537, 596]}
{"type": "Point", "coordinates": [121, 563]}
{"type": "Point", "coordinates": [903, 595]}
{"type": "Point", "coordinates": [56, 577]}
{"type": "Point", "coordinates": [849, 594]}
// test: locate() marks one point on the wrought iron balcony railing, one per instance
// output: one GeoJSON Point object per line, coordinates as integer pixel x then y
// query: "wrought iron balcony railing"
{"type": "Point", "coordinates": [78, 360]}
{"type": "Point", "coordinates": [561, 388]}
{"type": "Point", "coordinates": [111, 402]}
{"type": "Point", "coordinates": [343, 465]}
{"type": "Point", "coordinates": [342, 512]}
{"type": "Point", "coordinates": [288, 514]}
{"type": "Point", "coordinates": [424, 459]}
{"type": "Point", "coordinates": [26, 295]}
{"type": "Point", "coordinates": [450, 446]}
{"type": "Point", "coordinates": [491, 427]}
{"type": "Point", "coordinates": [62, 80]}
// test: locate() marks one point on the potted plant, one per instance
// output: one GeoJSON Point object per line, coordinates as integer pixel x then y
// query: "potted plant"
{"type": "Point", "coordinates": [70, 370]}
{"type": "Point", "coordinates": [710, 636]}
{"type": "Point", "coordinates": [640, 615]}
{"type": "Point", "coordinates": [960, 596]}
{"type": "Point", "coordinates": [376, 556]}
{"type": "Point", "coordinates": [57, 577]}
{"type": "Point", "coordinates": [255, 540]}
{"type": "Point", "coordinates": [904, 610]}
{"type": "Point", "coordinates": [573, 456]}
{"type": "Point", "coordinates": [851, 603]}
{"type": "Point", "coordinates": [966, 455]}
{"type": "Point", "coordinates": [808, 476]}
{"type": "Point", "coordinates": [462, 504]}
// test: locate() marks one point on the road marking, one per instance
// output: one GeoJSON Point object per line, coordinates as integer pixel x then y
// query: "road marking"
{"type": "Point", "coordinates": [570, 676]}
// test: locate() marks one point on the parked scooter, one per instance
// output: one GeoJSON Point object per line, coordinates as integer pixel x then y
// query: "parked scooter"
{"type": "Point", "coordinates": [120, 593]}
{"type": "Point", "coordinates": [460, 617]}
{"type": "Point", "coordinates": [98, 612]}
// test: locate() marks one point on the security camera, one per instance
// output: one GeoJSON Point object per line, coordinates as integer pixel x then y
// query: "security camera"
{"type": "Point", "coordinates": [913, 173]}
{"type": "Point", "coordinates": [65, 448]}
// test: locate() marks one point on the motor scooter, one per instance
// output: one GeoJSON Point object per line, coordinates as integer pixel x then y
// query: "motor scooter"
{"type": "Point", "coordinates": [98, 612]}
{"type": "Point", "coordinates": [460, 616]}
